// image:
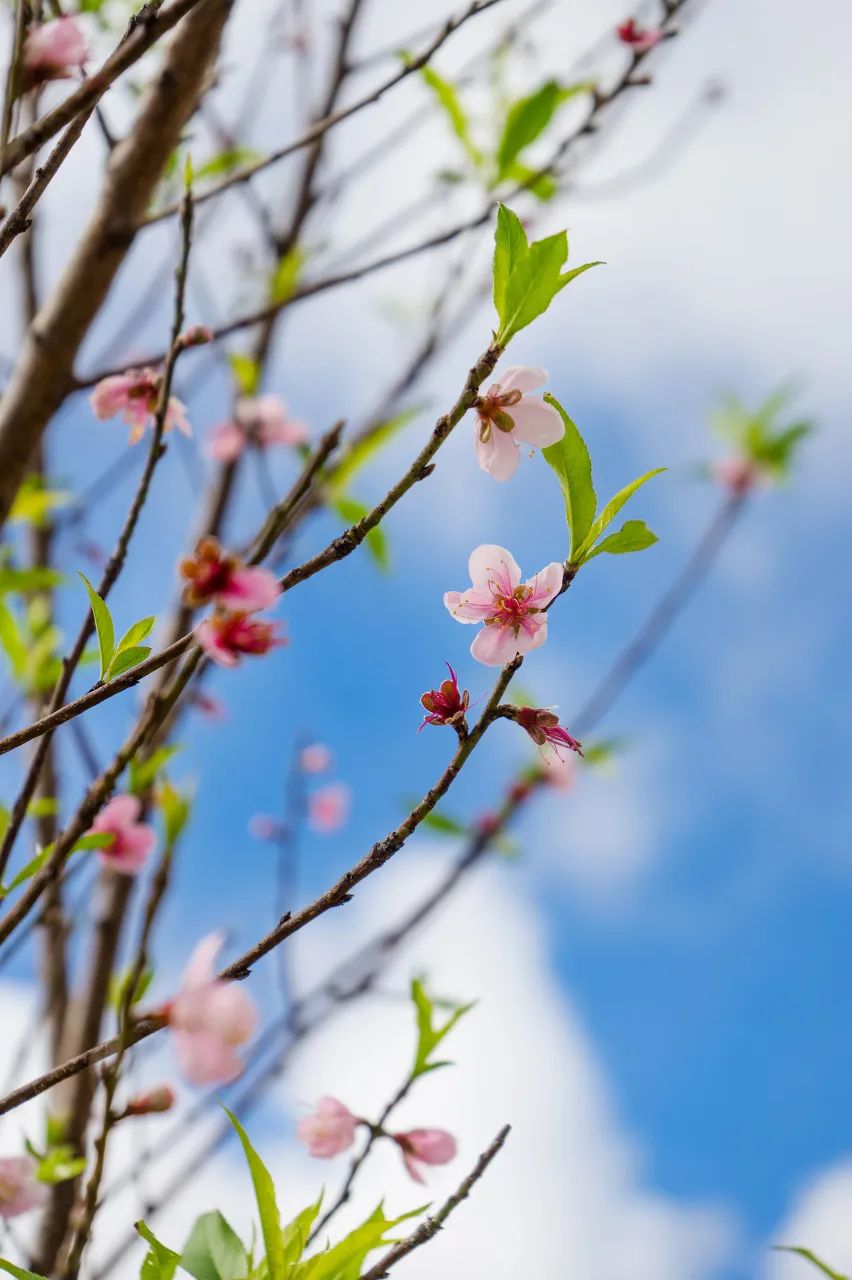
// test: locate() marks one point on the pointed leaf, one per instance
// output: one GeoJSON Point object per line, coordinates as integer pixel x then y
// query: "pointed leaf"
{"type": "Point", "coordinates": [20, 1273]}
{"type": "Point", "coordinates": [812, 1258]}
{"type": "Point", "coordinates": [527, 119]}
{"type": "Point", "coordinates": [137, 633]}
{"type": "Point", "coordinates": [510, 248]}
{"type": "Point", "coordinates": [296, 1233]}
{"type": "Point", "coordinates": [264, 1191]}
{"type": "Point", "coordinates": [570, 459]}
{"type": "Point", "coordinates": [214, 1251]}
{"type": "Point", "coordinates": [429, 1036]}
{"type": "Point", "coordinates": [612, 509]}
{"type": "Point", "coordinates": [634, 535]}
{"type": "Point", "coordinates": [449, 101]}
{"type": "Point", "coordinates": [103, 625]}
{"type": "Point", "coordinates": [160, 1262]}
{"type": "Point", "coordinates": [125, 659]}
{"type": "Point", "coordinates": [362, 450]}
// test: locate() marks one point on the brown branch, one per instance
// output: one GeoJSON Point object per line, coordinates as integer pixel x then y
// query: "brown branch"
{"type": "Point", "coordinates": [43, 373]}
{"type": "Point", "coordinates": [20, 218]}
{"type": "Point", "coordinates": [429, 1228]}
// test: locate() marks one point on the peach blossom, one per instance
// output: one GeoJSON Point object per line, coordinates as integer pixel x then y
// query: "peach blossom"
{"type": "Point", "coordinates": [314, 758]}
{"type": "Point", "coordinates": [134, 396]}
{"type": "Point", "coordinates": [640, 39]}
{"type": "Point", "coordinates": [133, 840]}
{"type": "Point", "coordinates": [328, 808]}
{"type": "Point", "coordinates": [213, 575]}
{"type": "Point", "coordinates": [542, 724]}
{"type": "Point", "coordinates": [20, 1189]}
{"type": "Point", "coordinates": [447, 705]}
{"type": "Point", "coordinates": [513, 612]}
{"type": "Point", "coordinates": [227, 637]}
{"type": "Point", "coordinates": [210, 1019]}
{"type": "Point", "coordinates": [261, 421]}
{"type": "Point", "coordinates": [328, 1130]}
{"type": "Point", "coordinates": [54, 51]}
{"type": "Point", "coordinates": [423, 1147]}
{"type": "Point", "coordinates": [505, 415]}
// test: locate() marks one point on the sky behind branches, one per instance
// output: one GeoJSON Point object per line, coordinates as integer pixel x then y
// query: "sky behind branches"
{"type": "Point", "coordinates": [664, 1012]}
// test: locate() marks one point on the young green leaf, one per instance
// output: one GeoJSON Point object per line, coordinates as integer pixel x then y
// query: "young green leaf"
{"type": "Point", "coordinates": [528, 118]}
{"type": "Point", "coordinates": [570, 459]}
{"type": "Point", "coordinates": [246, 372]}
{"type": "Point", "coordinates": [214, 1251]}
{"type": "Point", "coordinates": [285, 277]}
{"type": "Point", "coordinates": [449, 101]}
{"type": "Point", "coordinates": [136, 634]}
{"type": "Point", "coordinates": [812, 1258]}
{"type": "Point", "coordinates": [118, 985]}
{"type": "Point", "coordinates": [61, 1164]}
{"type": "Point", "coordinates": [160, 1262]}
{"type": "Point", "coordinates": [175, 807]}
{"type": "Point", "coordinates": [144, 772]}
{"type": "Point", "coordinates": [612, 509]}
{"type": "Point", "coordinates": [510, 249]}
{"type": "Point", "coordinates": [443, 824]}
{"type": "Point", "coordinates": [344, 1260]}
{"type": "Point", "coordinates": [103, 626]}
{"type": "Point", "coordinates": [361, 451]}
{"type": "Point", "coordinates": [350, 512]}
{"type": "Point", "coordinates": [20, 1273]}
{"type": "Point", "coordinates": [264, 1191]}
{"type": "Point", "coordinates": [296, 1233]}
{"type": "Point", "coordinates": [126, 659]}
{"type": "Point", "coordinates": [429, 1036]}
{"type": "Point", "coordinates": [634, 535]}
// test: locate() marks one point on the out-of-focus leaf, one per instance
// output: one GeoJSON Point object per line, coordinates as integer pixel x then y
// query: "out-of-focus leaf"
{"type": "Point", "coordinates": [812, 1258]}
{"type": "Point", "coordinates": [429, 1034]}
{"type": "Point", "coordinates": [350, 512]}
{"type": "Point", "coordinates": [144, 772]}
{"type": "Point", "coordinates": [246, 372]}
{"type": "Point", "coordinates": [20, 1273]}
{"type": "Point", "coordinates": [160, 1262]}
{"type": "Point", "coordinates": [60, 1164]}
{"type": "Point", "coordinates": [286, 275]}
{"type": "Point", "coordinates": [26, 580]}
{"type": "Point", "coordinates": [450, 103]}
{"type": "Point", "coordinates": [528, 118]}
{"type": "Point", "coordinates": [118, 985]}
{"type": "Point", "coordinates": [214, 1251]}
{"type": "Point", "coordinates": [226, 162]}
{"type": "Point", "coordinates": [362, 451]}
{"type": "Point", "coordinates": [33, 502]}
{"type": "Point", "coordinates": [443, 824]}
{"type": "Point", "coordinates": [175, 807]}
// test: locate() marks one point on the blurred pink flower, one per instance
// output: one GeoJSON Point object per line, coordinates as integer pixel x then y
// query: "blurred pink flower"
{"type": "Point", "coordinates": [264, 827]}
{"type": "Point", "coordinates": [197, 335]}
{"type": "Point", "coordinates": [425, 1146]}
{"type": "Point", "coordinates": [212, 708]}
{"type": "Point", "coordinates": [328, 1130]}
{"type": "Point", "coordinates": [161, 1098]}
{"type": "Point", "coordinates": [544, 728]}
{"type": "Point", "coordinates": [260, 421]}
{"type": "Point", "coordinates": [20, 1189]}
{"type": "Point", "coordinates": [213, 575]}
{"type": "Point", "coordinates": [640, 39]}
{"type": "Point", "coordinates": [328, 808]}
{"type": "Point", "coordinates": [226, 637]}
{"type": "Point", "coordinates": [134, 396]}
{"type": "Point", "coordinates": [54, 51]}
{"type": "Point", "coordinates": [133, 840]}
{"type": "Point", "coordinates": [506, 415]}
{"type": "Point", "coordinates": [513, 613]}
{"type": "Point", "coordinates": [446, 705]}
{"type": "Point", "coordinates": [314, 758]}
{"type": "Point", "coordinates": [559, 771]}
{"type": "Point", "coordinates": [736, 474]}
{"type": "Point", "coordinates": [210, 1019]}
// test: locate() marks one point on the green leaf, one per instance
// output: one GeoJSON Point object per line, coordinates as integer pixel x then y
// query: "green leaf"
{"type": "Point", "coordinates": [43, 807]}
{"type": "Point", "coordinates": [61, 1164]}
{"type": "Point", "coordinates": [126, 659]}
{"type": "Point", "coordinates": [26, 580]}
{"type": "Point", "coordinates": [13, 641]}
{"type": "Point", "coordinates": [350, 512]}
{"type": "Point", "coordinates": [296, 1233]}
{"type": "Point", "coordinates": [264, 1191]}
{"type": "Point", "coordinates": [527, 277]}
{"type": "Point", "coordinates": [214, 1251]}
{"type": "Point", "coordinates": [611, 510]}
{"type": "Point", "coordinates": [144, 772]}
{"type": "Point", "coordinates": [118, 985]}
{"type": "Point", "coordinates": [160, 1262]}
{"type": "Point", "coordinates": [363, 450]}
{"type": "Point", "coordinates": [33, 502]}
{"type": "Point", "coordinates": [285, 277]}
{"type": "Point", "coordinates": [634, 535]}
{"type": "Point", "coordinates": [344, 1260]}
{"type": "Point", "coordinates": [429, 1035]}
{"type": "Point", "coordinates": [443, 824]}
{"type": "Point", "coordinates": [542, 185]}
{"type": "Point", "coordinates": [175, 807]}
{"type": "Point", "coordinates": [226, 162]}
{"type": "Point", "coordinates": [449, 101]}
{"type": "Point", "coordinates": [103, 625]}
{"type": "Point", "coordinates": [20, 1273]}
{"type": "Point", "coordinates": [570, 459]}
{"type": "Point", "coordinates": [528, 118]}
{"type": "Point", "coordinates": [812, 1258]}
{"type": "Point", "coordinates": [246, 372]}
{"type": "Point", "coordinates": [137, 633]}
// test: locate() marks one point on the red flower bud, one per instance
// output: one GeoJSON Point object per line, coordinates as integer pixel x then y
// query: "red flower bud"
{"type": "Point", "coordinates": [545, 730]}
{"type": "Point", "coordinates": [446, 705]}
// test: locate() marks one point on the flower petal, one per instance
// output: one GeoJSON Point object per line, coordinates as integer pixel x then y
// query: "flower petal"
{"type": "Point", "coordinates": [546, 584]}
{"type": "Point", "coordinates": [522, 377]}
{"type": "Point", "coordinates": [532, 637]}
{"type": "Point", "coordinates": [495, 646]}
{"type": "Point", "coordinates": [498, 455]}
{"type": "Point", "coordinates": [492, 564]}
{"type": "Point", "coordinates": [536, 423]}
{"type": "Point", "coordinates": [470, 606]}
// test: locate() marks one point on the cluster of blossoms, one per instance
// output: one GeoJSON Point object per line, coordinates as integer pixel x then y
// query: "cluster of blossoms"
{"type": "Point", "coordinates": [237, 591]}
{"type": "Point", "coordinates": [135, 396]}
{"type": "Point", "coordinates": [330, 1129]}
{"type": "Point", "coordinates": [328, 805]}
{"type": "Point", "coordinates": [260, 422]}
{"type": "Point", "coordinates": [53, 51]}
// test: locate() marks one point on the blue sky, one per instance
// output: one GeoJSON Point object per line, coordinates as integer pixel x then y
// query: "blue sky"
{"type": "Point", "coordinates": [692, 908]}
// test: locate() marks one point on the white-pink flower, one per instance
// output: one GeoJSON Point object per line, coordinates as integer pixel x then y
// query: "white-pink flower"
{"type": "Point", "coordinates": [328, 1130]}
{"type": "Point", "coordinates": [314, 758]}
{"type": "Point", "coordinates": [513, 612]}
{"type": "Point", "coordinates": [261, 421]}
{"type": "Point", "coordinates": [506, 414]}
{"type": "Point", "coordinates": [134, 396]}
{"type": "Point", "coordinates": [328, 808]}
{"type": "Point", "coordinates": [132, 840]}
{"type": "Point", "coordinates": [560, 771]}
{"type": "Point", "coordinates": [210, 1019]}
{"type": "Point", "coordinates": [20, 1189]}
{"type": "Point", "coordinates": [54, 50]}
{"type": "Point", "coordinates": [425, 1146]}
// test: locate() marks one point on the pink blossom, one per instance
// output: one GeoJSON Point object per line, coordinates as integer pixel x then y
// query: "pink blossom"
{"type": "Point", "coordinates": [161, 1098]}
{"type": "Point", "coordinates": [425, 1146]}
{"type": "Point", "coordinates": [264, 827]}
{"type": "Point", "coordinates": [197, 335]}
{"type": "Point", "coordinates": [736, 474]}
{"type": "Point", "coordinates": [260, 421]}
{"type": "Point", "coordinates": [226, 637]}
{"type": "Point", "coordinates": [212, 575]}
{"type": "Point", "coordinates": [640, 39]}
{"type": "Point", "coordinates": [212, 708]}
{"type": "Point", "coordinates": [506, 415]}
{"type": "Point", "coordinates": [446, 705]}
{"type": "Point", "coordinates": [20, 1189]}
{"type": "Point", "coordinates": [54, 51]}
{"type": "Point", "coordinates": [210, 1019]}
{"type": "Point", "coordinates": [132, 840]}
{"type": "Point", "coordinates": [513, 612]}
{"type": "Point", "coordinates": [328, 1130]}
{"type": "Point", "coordinates": [560, 772]}
{"type": "Point", "coordinates": [328, 808]}
{"type": "Point", "coordinates": [134, 396]}
{"type": "Point", "coordinates": [544, 728]}
{"type": "Point", "coordinates": [314, 758]}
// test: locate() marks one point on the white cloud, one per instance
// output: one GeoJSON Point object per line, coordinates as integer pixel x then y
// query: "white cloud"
{"type": "Point", "coordinates": [820, 1219]}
